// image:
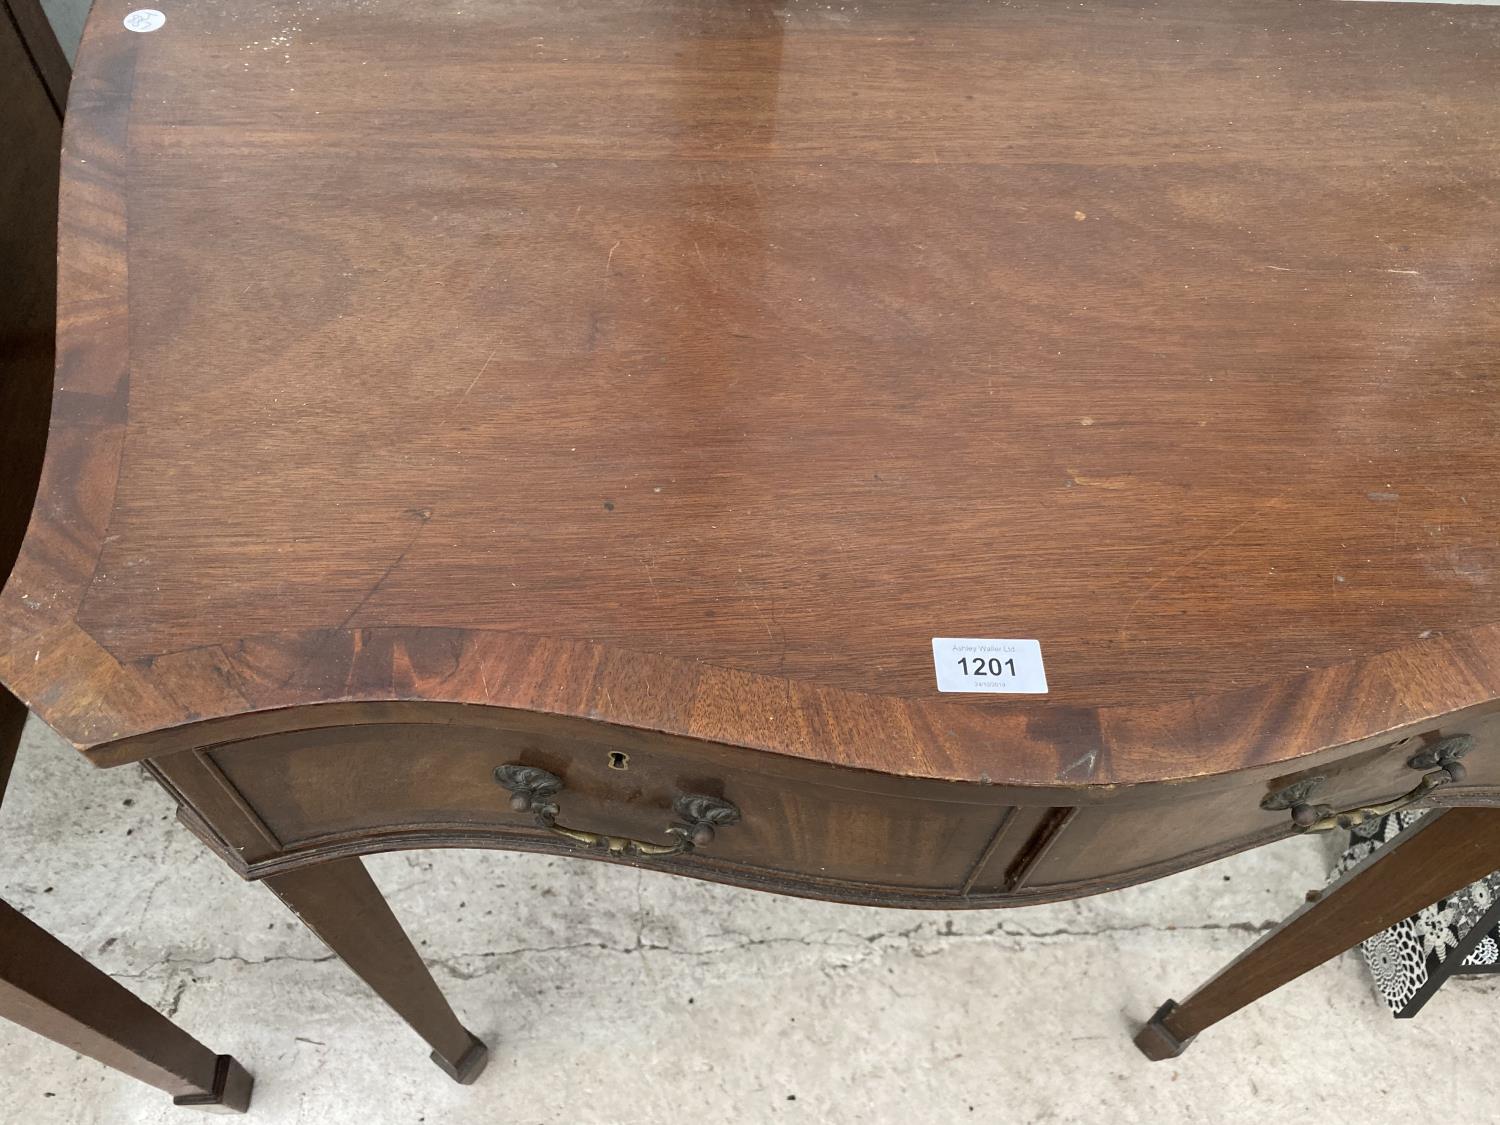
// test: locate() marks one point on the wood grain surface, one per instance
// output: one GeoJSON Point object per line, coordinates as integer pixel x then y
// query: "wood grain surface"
{"type": "Point", "coordinates": [689, 366]}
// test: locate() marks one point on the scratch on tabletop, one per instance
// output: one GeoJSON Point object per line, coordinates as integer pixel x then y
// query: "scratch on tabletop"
{"type": "Point", "coordinates": [1176, 570]}
{"type": "Point", "coordinates": [483, 368]}
{"type": "Point", "coordinates": [424, 515]}
{"type": "Point", "coordinates": [1088, 761]}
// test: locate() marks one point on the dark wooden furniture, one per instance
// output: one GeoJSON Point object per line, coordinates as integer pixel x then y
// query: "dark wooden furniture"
{"type": "Point", "coordinates": [566, 428]}
{"type": "Point", "coordinates": [44, 985]}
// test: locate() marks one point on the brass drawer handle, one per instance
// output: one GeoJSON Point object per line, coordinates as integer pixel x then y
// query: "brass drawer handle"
{"type": "Point", "coordinates": [535, 790]}
{"type": "Point", "coordinates": [1309, 817]}
{"type": "Point", "coordinates": [1324, 819]}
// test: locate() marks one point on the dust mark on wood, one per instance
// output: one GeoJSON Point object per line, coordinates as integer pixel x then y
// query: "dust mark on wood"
{"type": "Point", "coordinates": [1099, 482]}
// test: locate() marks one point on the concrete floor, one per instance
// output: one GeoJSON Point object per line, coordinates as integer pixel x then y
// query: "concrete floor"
{"type": "Point", "coordinates": [611, 996]}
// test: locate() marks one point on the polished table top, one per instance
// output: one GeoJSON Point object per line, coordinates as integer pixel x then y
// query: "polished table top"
{"type": "Point", "coordinates": [690, 366]}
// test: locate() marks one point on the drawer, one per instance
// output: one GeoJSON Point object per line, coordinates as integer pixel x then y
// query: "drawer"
{"type": "Point", "coordinates": [802, 827]}
{"type": "Point", "coordinates": [315, 788]}
{"type": "Point", "coordinates": [1110, 844]}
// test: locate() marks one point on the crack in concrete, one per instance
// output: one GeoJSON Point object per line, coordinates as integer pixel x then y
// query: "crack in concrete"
{"type": "Point", "coordinates": [176, 1001]}
{"type": "Point", "coordinates": [828, 939]}
{"type": "Point", "coordinates": [910, 939]}
{"type": "Point", "coordinates": [194, 962]}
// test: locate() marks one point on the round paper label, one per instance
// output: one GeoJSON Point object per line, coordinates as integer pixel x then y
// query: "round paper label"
{"type": "Point", "coordinates": [145, 19]}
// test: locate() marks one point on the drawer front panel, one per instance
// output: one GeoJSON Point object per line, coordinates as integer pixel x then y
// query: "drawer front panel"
{"type": "Point", "coordinates": [1115, 843]}
{"type": "Point", "coordinates": [313, 786]}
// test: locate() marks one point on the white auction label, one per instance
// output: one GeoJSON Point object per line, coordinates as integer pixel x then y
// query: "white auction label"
{"type": "Point", "coordinates": [983, 664]}
{"type": "Point", "coordinates": [145, 19]}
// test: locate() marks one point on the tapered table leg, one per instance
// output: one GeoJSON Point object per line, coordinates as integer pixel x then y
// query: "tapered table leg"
{"type": "Point", "coordinates": [12, 723]}
{"type": "Point", "coordinates": [340, 903]}
{"type": "Point", "coordinates": [1444, 851]}
{"type": "Point", "coordinates": [48, 988]}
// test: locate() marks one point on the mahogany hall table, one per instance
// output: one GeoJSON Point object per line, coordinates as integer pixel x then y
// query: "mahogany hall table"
{"type": "Point", "coordinates": [944, 455]}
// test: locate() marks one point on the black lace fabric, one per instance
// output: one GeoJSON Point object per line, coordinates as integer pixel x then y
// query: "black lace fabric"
{"type": "Point", "coordinates": [1460, 934]}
